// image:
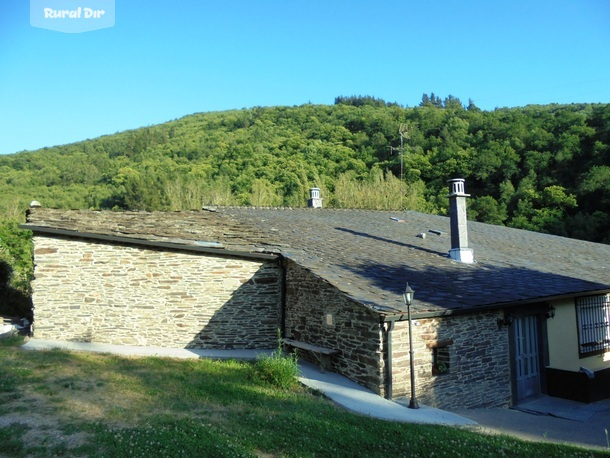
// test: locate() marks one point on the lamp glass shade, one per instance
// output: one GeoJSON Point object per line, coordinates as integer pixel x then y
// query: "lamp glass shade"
{"type": "Point", "coordinates": [408, 295]}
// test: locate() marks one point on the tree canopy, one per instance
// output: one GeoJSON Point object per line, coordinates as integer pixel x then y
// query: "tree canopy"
{"type": "Point", "coordinates": [542, 168]}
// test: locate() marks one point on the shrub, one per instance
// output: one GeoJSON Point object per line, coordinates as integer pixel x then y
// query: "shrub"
{"type": "Point", "coordinates": [277, 369]}
{"type": "Point", "coordinates": [13, 302]}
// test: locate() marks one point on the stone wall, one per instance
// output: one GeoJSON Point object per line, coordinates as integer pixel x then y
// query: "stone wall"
{"type": "Point", "coordinates": [475, 356]}
{"type": "Point", "coordinates": [318, 313]}
{"type": "Point", "coordinates": [99, 292]}
{"type": "Point", "coordinates": [472, 355]}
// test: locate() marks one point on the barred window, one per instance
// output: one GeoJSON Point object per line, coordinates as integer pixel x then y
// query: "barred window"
{"type": "Point", "coordinates": [593, 314]}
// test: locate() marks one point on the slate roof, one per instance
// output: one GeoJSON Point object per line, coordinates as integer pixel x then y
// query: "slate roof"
{"type": "Point", "coordinates": [371, 255]}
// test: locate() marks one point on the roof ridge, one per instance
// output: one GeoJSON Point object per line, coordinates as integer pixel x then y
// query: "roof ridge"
{"type": "Point", "coordinates": [279, 208]}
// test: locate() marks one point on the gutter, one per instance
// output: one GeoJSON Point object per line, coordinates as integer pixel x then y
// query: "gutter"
{"type": "Point", "coordinates": [388, 327]}
{"type": "Point", "coordinates": [402, 316]}
{"type": "Point", "coordinates": [149, 243]}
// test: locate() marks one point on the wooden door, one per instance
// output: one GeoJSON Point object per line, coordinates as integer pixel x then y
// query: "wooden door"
{"type": "Point", "coordinates": [526, 335]}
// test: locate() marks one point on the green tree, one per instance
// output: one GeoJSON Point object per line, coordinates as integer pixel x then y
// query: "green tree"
{"type": "Point", "coordinates": [487, 210]}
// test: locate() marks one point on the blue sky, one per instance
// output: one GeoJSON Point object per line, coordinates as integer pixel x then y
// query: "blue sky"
{"type": "Point", "coordinates": [166, 59]}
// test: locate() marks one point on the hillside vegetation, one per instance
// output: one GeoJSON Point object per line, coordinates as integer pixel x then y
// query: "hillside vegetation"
{"type": "Point", "coordinates": [542, 168]}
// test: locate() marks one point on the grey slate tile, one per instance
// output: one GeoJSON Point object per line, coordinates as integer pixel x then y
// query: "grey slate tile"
{"type": "Point", "coordinates": [370, 256]}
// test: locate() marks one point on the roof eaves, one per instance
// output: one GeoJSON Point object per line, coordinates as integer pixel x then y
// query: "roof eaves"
{"type": "Point", "coordinates": [173, 245]}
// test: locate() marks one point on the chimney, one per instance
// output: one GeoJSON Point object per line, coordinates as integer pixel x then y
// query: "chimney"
{"type": "Point", "coordinates": [315, 201]}
{"type": "Point", "coordinates": [459, 225]}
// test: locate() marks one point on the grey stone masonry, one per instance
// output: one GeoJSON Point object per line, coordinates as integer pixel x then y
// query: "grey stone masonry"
{"type": "Point", "coordinates": [98, 292]}
{"type": "Point", "coordinates": [319, 314]}
{"type": "Point", "coordinates": [459, 223]}
{"type": "Point", "coordinates": [458, 219]}
{"type": "Point", "coordinates": [475, 370]}
{"type": "Point", "coordinates": [474, 353]}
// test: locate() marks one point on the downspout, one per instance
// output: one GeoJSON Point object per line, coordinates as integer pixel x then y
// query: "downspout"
{"type": "Point", "coordinates": [388, 327]}
{"type": "Point", "coordinates": [283, 266]}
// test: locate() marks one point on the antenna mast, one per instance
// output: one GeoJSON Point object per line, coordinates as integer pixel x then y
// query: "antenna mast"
{"type": "Point", "coordinates": [403, 130]}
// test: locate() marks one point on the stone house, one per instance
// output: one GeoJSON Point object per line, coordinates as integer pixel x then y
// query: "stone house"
{"type": "Point", "coordinates": [499, 314]}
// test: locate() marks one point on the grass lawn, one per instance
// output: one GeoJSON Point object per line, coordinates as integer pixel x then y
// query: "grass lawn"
{"type": "Point", "coordinates": [57, 403]}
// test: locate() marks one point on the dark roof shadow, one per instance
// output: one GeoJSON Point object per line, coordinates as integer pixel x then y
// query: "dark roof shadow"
{"type": "Point", "coordinates": [390, 241]}
{"type": "Point", "coordinates": [456, 287]}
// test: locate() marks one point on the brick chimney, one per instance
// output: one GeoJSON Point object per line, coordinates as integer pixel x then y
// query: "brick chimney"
{"type": "Point", "coordinates": [459, 225]}
{"type": "Point", "coordinates": [315, 201]}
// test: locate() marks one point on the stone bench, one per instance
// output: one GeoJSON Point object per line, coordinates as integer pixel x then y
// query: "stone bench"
{"type": "Point", "coordinates": [322, 354]}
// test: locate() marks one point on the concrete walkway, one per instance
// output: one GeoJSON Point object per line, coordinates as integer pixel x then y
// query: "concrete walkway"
{"type": "Point", "coordinates": [335, 387]}
{"type": "Point", "coordinates": [358, 399]}
{"type": "Point", "coordinates": [549, 419]}
{"type": "Point", "coordinates": [132, 350]}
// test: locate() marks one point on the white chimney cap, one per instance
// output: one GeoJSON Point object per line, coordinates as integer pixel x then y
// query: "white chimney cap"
{"type": "Point", "coordinates": [457, 187]}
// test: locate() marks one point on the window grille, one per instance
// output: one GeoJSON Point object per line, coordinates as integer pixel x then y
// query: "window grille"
{"type": "Point", "coordinates": [593, 314]}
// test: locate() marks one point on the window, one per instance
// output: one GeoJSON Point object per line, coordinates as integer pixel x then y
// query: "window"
{"type": "Point", "coordinates": [440, 360]}
{"type": "Point", "coordinates": [593, 314]}
{"type": "Point", "coordinates": [440, 355]}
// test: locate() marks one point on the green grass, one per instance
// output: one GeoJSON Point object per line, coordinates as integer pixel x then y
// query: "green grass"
{"type": "Point", "coordinates": [57, 403]}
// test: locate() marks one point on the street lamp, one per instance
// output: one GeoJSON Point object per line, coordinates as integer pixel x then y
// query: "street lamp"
{"type": "Point", "coordinates": [408, 298]}
{"type": "Point", "coordinates": [408, 295]}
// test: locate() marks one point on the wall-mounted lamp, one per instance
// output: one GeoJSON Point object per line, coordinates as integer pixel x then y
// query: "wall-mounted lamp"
{"type": "Point", "coordinates": [550, 312]}
{"type": "Point", "coordinates": [506, 321]}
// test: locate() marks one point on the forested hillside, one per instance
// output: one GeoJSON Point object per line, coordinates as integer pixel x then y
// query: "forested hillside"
{"type": "Point", "coordinates": [543, 168]}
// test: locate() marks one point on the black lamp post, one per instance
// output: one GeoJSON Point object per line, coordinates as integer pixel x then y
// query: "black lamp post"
{"type": "Point", "coordinates": [408, 298]}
